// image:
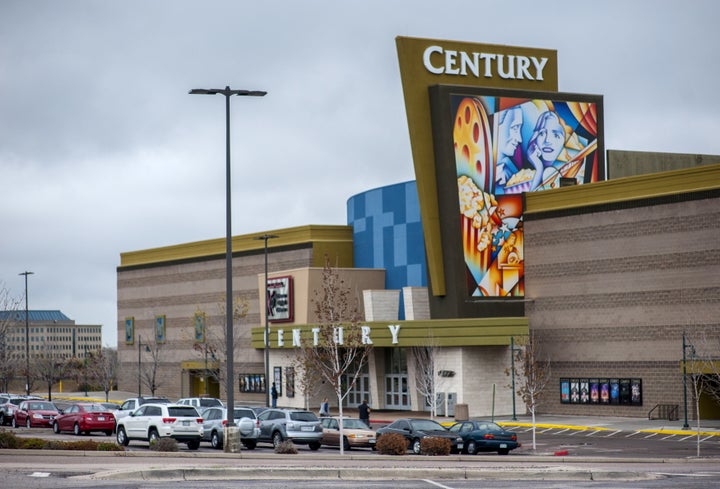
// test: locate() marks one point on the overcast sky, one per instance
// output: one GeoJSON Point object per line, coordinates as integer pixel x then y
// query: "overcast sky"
{"type": "Point", "coordinates": [103, 151]}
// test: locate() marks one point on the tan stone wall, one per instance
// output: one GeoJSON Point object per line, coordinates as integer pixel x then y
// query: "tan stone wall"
{"type": "Point", "coordinates": [610, 294]}
{"type": "Point", "coordinates": [179, 290]}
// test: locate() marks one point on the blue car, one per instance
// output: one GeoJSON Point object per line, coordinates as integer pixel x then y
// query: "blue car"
{"type": "Point", "coordinates": [485, 436]}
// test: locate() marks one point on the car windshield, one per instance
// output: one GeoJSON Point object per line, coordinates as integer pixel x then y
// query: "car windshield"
{"type": "Point", "coordinates": [355, 424]}
{"type": "Point", "coordinates": [243, 413]}
{"type": "Point", "coordinates": [303, 416]}
{"type": "Point", "coordinates": [183, 411]}
{"type": "Point", "coordinates": [154, 400]}
{"type": "Point", "coordinates": [37, 406]}
{"type": "Point", "coordinates": [210, 402]}
{"type": "Point", "coordinates": [426, 425]}
{"type": "Point", "coordinates": [94, 408]}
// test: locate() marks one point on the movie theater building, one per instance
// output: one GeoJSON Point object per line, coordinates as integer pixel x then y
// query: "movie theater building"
{"type": "Point", "coordinates": [494, 239]}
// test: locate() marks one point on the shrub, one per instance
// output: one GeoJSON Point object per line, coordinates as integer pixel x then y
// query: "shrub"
{"type": "Point", "coordinates": [8, 440]}
{"type": "Point", "coordinates": [433, 445]}
{"type": "Point", "coordinates": [107, 446]}
{"type": "Point", "coordinates": [286, 447]}
{"type": "Point", "coordinates": [164, 445]}
{"type": "Point", "coordinates": [391, 444]}
{"type": "Point", "coordinates": [32, 443]}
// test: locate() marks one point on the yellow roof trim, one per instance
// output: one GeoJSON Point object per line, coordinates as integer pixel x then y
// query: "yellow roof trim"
{"type": "Point", "coordinates": [652, 185]}
{"type": "Point", "coordinates": [247, 242]}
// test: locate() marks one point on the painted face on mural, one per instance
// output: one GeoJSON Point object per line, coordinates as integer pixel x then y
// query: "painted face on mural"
{"type": "Point", "coordinates": [548, 138]}
{"type": "Point", "coordinates": [510, 135]}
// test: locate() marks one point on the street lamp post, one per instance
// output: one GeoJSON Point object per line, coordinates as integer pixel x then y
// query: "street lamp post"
{"type": "Point", "coordinates": [227, 93]}
{"type": "Point", "coordinates": [686, 426]}
{"type": "Point", "coordinates": [86, 371]}
{"type": "Point", "coordinates": [265, 237]}
{"type": "Point", "coordinates": [27, 335]}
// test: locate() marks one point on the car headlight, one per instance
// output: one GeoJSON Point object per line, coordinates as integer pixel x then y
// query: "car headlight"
{"type": "Point", "coordinates": [37, 415]}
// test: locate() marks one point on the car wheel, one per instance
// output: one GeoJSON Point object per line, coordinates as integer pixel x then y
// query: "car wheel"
{"type": "Point", "coordinates": [472, 447]}
{"type": "Point", "coordinates": [416, 446]}
{"type": "Point", "coordinates": [346, 443]}
{"type": "Point", "coordinates": [76, 430]}
{"type": "Point", "coordinates": [215, 440]}
{"type": "Point", "coordinates": [56, 428]}
{"type": "Point", "coordinates": [503, 451]}
{"type": "Point", "coordinates": [250, 444]}
{"type": "Point", "coordinates": [122, 438]}
{"type": "Point", "coordinates": [153, 436]}
{"type": "Point", "coordinates": [27, 423]}
{"type": "Point", "coordinates": [108, 432]}
{"type": "Point", "coordinates": [314, 445]}
{"type": "Point", "coordinates": [277, 439]}
{"type": "Point", "coordinates": [193, 444]}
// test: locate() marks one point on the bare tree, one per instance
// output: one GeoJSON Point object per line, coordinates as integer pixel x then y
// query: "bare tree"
{"type": "Point", "coordinates": [338, 348]}
{"type": "Point", "coordinates": [533, 374]}
{"type": "Point", "coordinates": [103, 366]}
{"type": "Point", "coordinates": [701, 362]}
{"type": "Point", "coordinates": [214, 340]}
{"type": "Point", "coordinates": [8, 365]}
{"type": "Point", "coordinates": [427, 370]}
{"type": "Point", "coordinates": [149, 374]}
{"type": "Point", "coordinates": [50, 369]}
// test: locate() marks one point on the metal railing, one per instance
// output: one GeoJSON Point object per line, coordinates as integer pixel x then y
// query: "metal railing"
{"type": "Point", "coordinates": [665, 411]}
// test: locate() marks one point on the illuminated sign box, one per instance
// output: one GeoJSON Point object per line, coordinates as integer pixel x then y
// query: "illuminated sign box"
{"type": "Point", "coordinates": [280, 299]}
{"type": "Point", "coordinates": [491, 146]}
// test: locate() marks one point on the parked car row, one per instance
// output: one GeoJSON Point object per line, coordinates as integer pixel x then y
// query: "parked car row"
{"type": "Point", "coordinates": [194, 420]}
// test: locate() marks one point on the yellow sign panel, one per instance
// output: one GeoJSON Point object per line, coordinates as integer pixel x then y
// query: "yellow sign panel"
{"type": "Point", "coordinates": [428, 62]}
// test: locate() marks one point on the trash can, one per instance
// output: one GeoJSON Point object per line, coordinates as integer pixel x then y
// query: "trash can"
{"type": "Point", "coordinates": [461, 412]}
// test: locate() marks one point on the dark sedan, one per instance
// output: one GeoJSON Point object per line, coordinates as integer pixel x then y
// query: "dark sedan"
{"type": "Point", "coordinates": [415, 429]}
{"type": "Point", "coordinates": [485, 436]}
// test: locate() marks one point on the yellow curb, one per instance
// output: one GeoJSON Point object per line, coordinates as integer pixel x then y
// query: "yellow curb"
{"type": "Point", "coordinates": [557, 426]}
{"type": "Point", "coordinates": [681, 432]}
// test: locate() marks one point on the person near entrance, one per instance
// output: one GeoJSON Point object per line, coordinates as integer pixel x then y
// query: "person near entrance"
{"type": "Point", "coordinates": [273, 395]}
{"type": "Point", "coordinates": [364, 412]}
{"type": "Point", "coordinates": [325, 408]}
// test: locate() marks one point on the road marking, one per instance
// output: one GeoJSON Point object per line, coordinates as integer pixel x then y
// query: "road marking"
{"type": "Point", "coordinates": [687, 437]}
{"type": "Point", "coordinates": [437, 484]}
{"type": "Point", "coordinates": [40, 474]}
{"type": "Point", "coordinates": [651, 435]}
{"type": "Point", "coordinates": [562, 431]}
{"type": "Point", "coordinates": [613, 433]}
{"type": "Point", "coordinates": [668, 437]}
{"type": "Point", "coordinates": [633, 434]}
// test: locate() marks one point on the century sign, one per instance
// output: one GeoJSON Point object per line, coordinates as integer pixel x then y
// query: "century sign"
{"type": "Point", "coordinates": [428, 62]}
{"type": "Point", "coordinates": [438, 61]}
{"type": "Point", "coordinates": [338, 335]}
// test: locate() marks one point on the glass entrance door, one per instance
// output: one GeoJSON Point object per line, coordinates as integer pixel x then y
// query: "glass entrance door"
{"type": "Point", "coordinates": [396, 391]}
{"type": "Point", "coordinates": [360, 391]}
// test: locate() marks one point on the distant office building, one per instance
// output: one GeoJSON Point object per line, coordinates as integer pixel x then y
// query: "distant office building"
{"type": "Point", "coordinates": [49, 333]}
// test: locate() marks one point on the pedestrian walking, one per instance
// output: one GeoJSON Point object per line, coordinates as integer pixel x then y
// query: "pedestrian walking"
{"type": "Point", "coordinates": [364, 412]}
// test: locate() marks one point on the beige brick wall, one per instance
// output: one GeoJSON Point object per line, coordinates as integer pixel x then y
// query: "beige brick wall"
{"type": "Point", "coordinates": [610, 294]}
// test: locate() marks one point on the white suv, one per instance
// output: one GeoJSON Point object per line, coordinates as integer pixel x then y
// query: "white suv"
{"type": "Point", "coordinates": [150, 422]}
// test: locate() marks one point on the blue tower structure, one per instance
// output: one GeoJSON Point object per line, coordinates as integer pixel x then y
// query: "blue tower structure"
{"type": "Point", "coordinates": [387, 233]}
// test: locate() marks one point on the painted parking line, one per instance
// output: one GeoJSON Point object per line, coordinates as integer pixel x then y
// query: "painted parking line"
{"type": "Point", "coordinates": [668, 437]}
{"type": "Point", "coordinates": [562, 431]}
{"type": "Point", "coordinates": [594, 432]}
{"type": "Point", "coordinates": [651, 435]}
{"type": "Point", "coordinates": [613, 433]}
{"type": "Point", "coordinates": [633, 434]}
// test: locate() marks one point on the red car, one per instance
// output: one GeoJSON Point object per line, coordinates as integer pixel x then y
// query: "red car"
{"type": "Point", "coordinates": [85, 418]}
{"type": "Point", "coordinates": [35, 413]}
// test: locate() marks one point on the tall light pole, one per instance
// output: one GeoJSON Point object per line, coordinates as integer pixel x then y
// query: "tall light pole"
{"type": "Point", "coordinates": [27, 335]}
{"type": "Point", "coordinates": [230, 361]}
{"type": "Point", "coordinates": [139, 366]}
{"type": "Point", "coordinates": [265, 237]}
